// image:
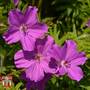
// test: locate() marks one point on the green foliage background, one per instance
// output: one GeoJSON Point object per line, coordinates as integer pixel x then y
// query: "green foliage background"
{"type": "Point", "coordinates": [66, 19]}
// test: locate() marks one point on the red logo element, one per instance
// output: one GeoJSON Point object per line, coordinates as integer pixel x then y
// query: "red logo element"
{"type": "Point", "coordinates": [6, 81]}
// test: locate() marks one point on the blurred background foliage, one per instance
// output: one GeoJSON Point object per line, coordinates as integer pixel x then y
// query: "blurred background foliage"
{"type": "Point", "coordinates": [66, 19]}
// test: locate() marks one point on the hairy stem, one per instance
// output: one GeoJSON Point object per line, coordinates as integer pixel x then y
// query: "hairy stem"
{"type": "Point", "coordinates": [40, 8]}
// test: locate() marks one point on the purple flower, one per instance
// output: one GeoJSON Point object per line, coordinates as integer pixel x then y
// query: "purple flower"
{"type": "Point", "coordinates": [88, 23]}
{"type": "Point", "coordinates": [24, 28]}
{"type": "Point", "coordinates": [16, 2]}
{"type": "Point", "coordinates": [40, 85]}
{"type": "Point", "coordinates": [35, 62]}
{"type": "Point", "coordinates": [67, 60]}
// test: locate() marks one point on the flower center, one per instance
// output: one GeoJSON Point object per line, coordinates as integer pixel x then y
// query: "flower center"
{"type": "Point", "coordinates": [23, 27]}
{"type": "Point", "coordinates": [63, 63]}
{"type": "Point", "coordinates": [38, 57]}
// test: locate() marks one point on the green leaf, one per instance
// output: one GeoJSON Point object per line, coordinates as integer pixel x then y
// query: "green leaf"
{"type": "Point", "coordinates": [17, 87]}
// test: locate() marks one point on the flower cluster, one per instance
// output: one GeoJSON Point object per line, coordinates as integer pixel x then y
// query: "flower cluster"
{"type": "Point", "coordinates": [40, 56]}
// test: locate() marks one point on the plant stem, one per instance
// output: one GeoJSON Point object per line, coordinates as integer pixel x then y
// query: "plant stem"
{"type": "Point", "coordinates": [33, 2]}
{"type": "Point", "coordinates": [40, 8]}
{"type": "Point", "coordinates": [1, 64]}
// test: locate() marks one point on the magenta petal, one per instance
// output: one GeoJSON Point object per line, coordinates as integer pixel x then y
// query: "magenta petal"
{"type": "Point", "coordinates": [78, 61]}
{"type": "Point", "coordinates": [19, 55]}
{"type": "Point", "coordinates": [28, 85]}
{"type": "Point", "coordinates": [38, 85]}
{"type": "Point", "coordinates": [75, 73]}
{"type": "Point", "coordinates": [20, 62]}
{"type": "Point", "coordinates": [55, 52]}
{"type": "Point", "coordinates": [28, 43]}
{"type": "Point", "coordinates": [48, 45]}
{"type": "Point", "coordinates": [62, 71]}
{"type": "Point", "coordinates": [35, 72]}
{"type": "Point", "coordinates": [43, 45]}
{"type": "Point", "coordinates": [16, 2]}
{"type": "Point", "coordinates": [41, 84]}
{"type": "Point", "coordinates": [15, 17]}
{"type": "Point", "coordinates": [71, 50]}
{"type": "Point", "coordinates": [38, 30]}
{"type": "Point", "coordinates": [40, 49]}
{"type": "Point", "coordinates": [88, 23]}
{"type": "Point", "coordinates": [31, 15]}
{"type": "Point", "coordinates": [12, 36]}
{"type": "Point", "coordinates": [45, 66]}
{"type": "Point", "coordinates": [58, 52]}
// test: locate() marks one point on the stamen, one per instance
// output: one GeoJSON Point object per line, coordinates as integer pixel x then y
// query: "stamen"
{"type": "Point", "coordinates": [38, 57]}
{"type": "Point", "coordinates": [64, 63]}
{"type": "Point", "coordinates": [23, 27]}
